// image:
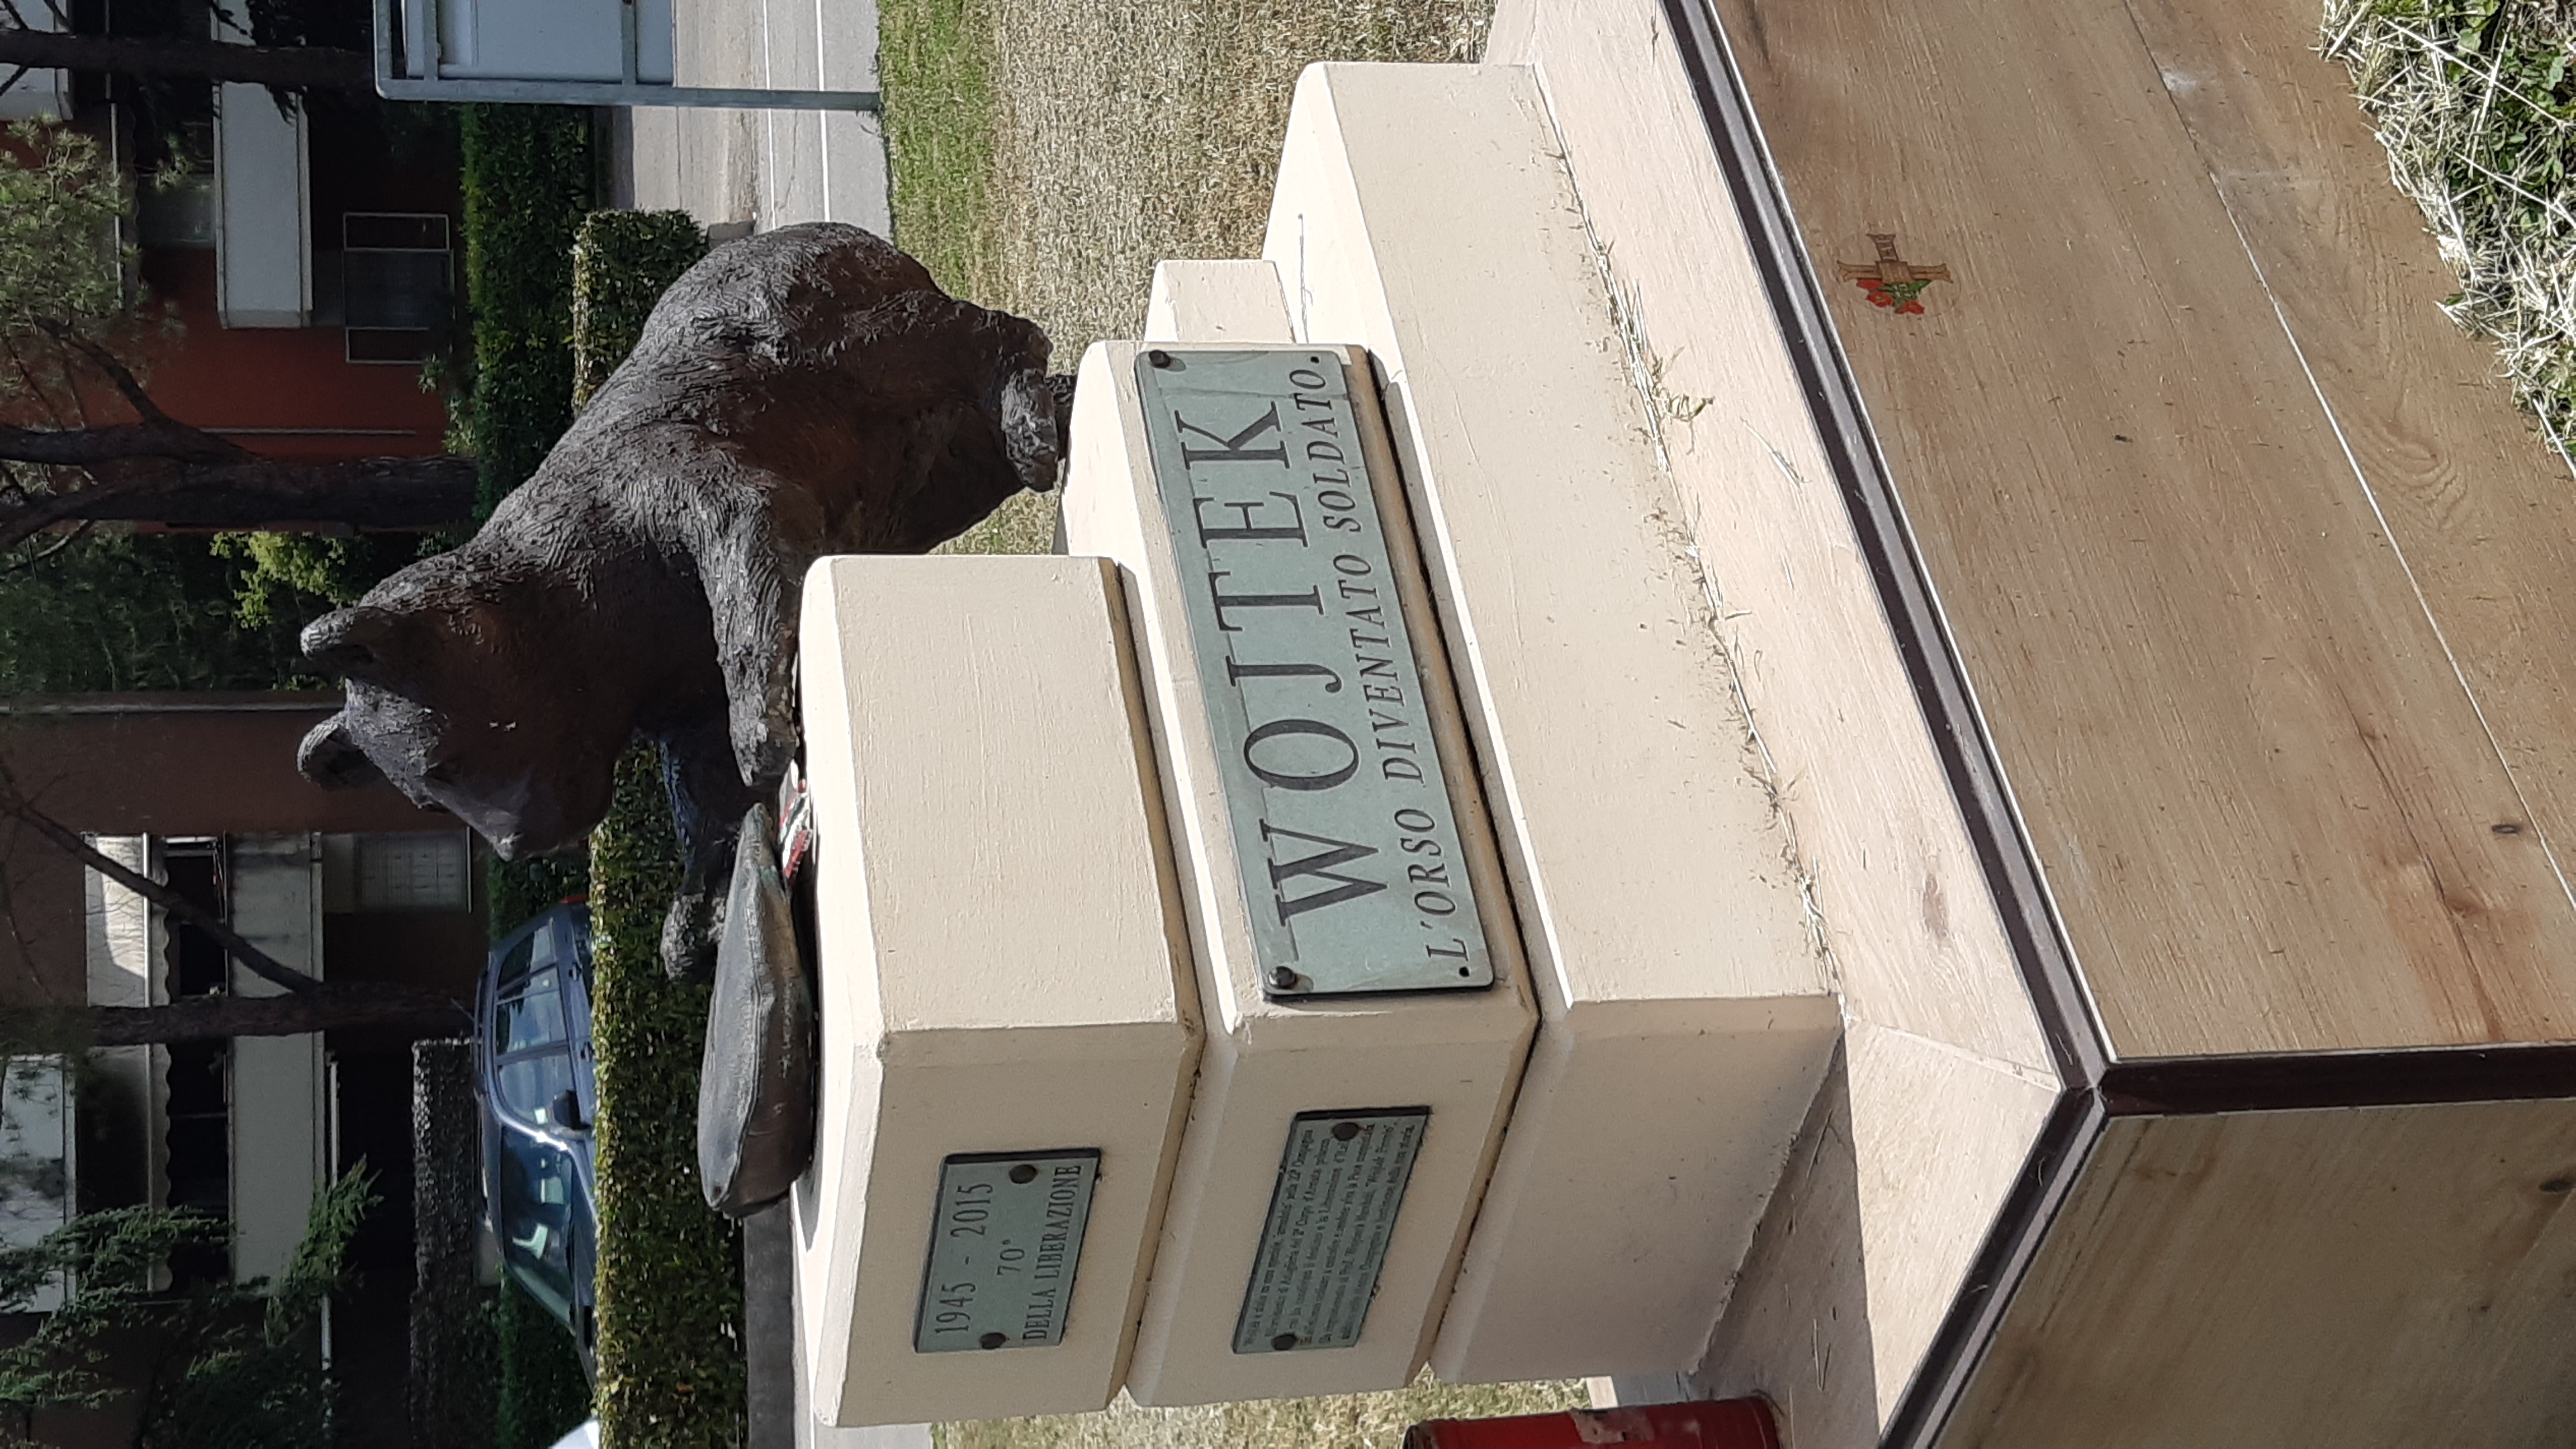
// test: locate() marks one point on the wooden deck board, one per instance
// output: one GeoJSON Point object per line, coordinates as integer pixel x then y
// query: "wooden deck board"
{"type": "Point", "coordinates": [2263, 800]}
{"type": "Point", "coordinates": [2483, 509]}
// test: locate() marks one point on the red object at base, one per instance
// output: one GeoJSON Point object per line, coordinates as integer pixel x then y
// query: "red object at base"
{"type": "Point", "coordinates": [1708, 1424]}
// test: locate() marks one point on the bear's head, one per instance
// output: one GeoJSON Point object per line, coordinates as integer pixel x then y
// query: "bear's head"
{"type": "Point", "coordinates": [456, 704]}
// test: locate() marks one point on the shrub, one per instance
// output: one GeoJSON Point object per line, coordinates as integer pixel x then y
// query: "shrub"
{"type": "Point", "coordinates": [670, 1271]}
{"type": "Point", "coordinates": [543, 1395]}
{"type": "Point", "coordinates": [140, 611]}
{"type": "Point", "coordinates": [528, 180]}
{"type": "Point", "coordinates": [621, 263]}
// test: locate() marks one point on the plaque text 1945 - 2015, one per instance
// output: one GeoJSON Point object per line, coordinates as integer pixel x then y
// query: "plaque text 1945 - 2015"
{"type": "Point", "coordinates": [1334, 784]}
{"type": "Point", "coordinates": [1004, 1243]}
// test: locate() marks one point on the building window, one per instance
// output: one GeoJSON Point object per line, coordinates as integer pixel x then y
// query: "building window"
{"type": "Point", "coordinates": [175, 206]}
{"type": "Point", "coordinates": [396, 281]}
{"type": "Point", "coordinates": [422, 870]}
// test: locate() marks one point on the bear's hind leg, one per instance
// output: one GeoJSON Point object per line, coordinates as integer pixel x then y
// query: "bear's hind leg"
{"type": "Point", "coordinates": [708, 801]}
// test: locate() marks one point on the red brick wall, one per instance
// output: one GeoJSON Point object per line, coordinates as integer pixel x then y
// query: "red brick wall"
{"type": "Point", "coordinates": [219, 377]}
{"type": "Point", "coordinates": [169, 764]}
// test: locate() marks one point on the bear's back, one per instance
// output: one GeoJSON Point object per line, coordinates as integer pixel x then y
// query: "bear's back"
{"type": "Point", "coordinates": [778, 294]}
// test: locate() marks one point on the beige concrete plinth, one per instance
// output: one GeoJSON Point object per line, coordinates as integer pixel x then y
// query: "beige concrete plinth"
{"type": "Point", "coordinates": [1425, 212]}
{"type": "Point", "coordinates": [1002, 963]}
{"type": "Point", "coordinates": [1228, 301]}
{"type": "Point", "coordinates": [1457, 1053]}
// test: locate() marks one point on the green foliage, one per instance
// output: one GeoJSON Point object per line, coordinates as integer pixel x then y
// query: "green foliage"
{"type": "Point", "coordinates": [622, 261]}
{"type": "Point", "coordinates": [286, 575]}
{"type": "Point", "coordinates": [516, 890]}
{"type": "Point", "coordinates": [670, 1271]}
{"type": "Point", "coordinates": [2476, 104]}
{"type": "Point", "coordinates": [140, 612]}
{"type": "Point", "coordinates": [543, 1394]}
{"type": "Point", "coordinates": [60, 201]}
{"type": "Point", "coordinates": [528, 181]}
{"type": "Point", "coordinates": [64, 301]}
{"type": "Point", "coordinates": [236, 1364]}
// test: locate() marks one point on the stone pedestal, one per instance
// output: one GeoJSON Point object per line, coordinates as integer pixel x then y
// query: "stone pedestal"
{"type": "Point", "coordinates": [1271, 1057]}
{"type": "Point", "coordinates": [1006, 999]}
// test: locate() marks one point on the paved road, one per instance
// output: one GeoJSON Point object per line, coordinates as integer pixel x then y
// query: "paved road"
{"type": "Point", "coordinates": [755, 170]}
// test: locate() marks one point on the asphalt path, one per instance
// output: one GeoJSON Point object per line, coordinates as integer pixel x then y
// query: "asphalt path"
{"type": "Point", "coordinates": [756, 170]}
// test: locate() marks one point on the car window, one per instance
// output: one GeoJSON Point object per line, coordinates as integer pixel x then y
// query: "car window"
{"type": "Point", "coordinates": [535, 1019]}
{"type": "Point", "coordinates": [534, 1214]}
{"type": "Point", "coordinates": [514, 967]}
{"type": "Point", "coordinates": [529, 1086]}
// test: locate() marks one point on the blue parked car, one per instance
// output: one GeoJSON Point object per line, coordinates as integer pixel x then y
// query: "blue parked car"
{"type": "Point", "coordinates": [540, 1095]}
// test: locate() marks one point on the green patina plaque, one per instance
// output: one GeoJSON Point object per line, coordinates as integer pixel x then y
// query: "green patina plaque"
{"type": "Point", "coordinates": [1004, 1242]}
{"type": "Point", "coordinates": [1334, 784]}
{"type": "Point", "coordinates": [1341, 1182]}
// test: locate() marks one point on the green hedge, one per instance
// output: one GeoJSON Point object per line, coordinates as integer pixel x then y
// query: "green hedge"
{"type": "Point", "coordinates": [670, 1271]}
{"type": "Point", "coordinates": [542, 1394]}
{"type": "Point", "coordinates": [528, 182]}
{"type": "Point", "coordinates": [621, 263]}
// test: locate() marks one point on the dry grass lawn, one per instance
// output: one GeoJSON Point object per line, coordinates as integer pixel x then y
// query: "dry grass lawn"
{"type": "Point", "coordinates": [1046, 154]}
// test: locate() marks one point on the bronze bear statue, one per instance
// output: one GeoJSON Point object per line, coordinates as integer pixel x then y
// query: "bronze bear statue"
{"type": "Point", "coordinates": [797, 393]}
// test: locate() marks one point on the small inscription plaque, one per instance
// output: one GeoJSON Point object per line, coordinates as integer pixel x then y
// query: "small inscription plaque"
{"type": "Point", "coordinates": [1334, 784]}
{"type": "Point", "coordinates": [1341, 1182]}
{"type": "Point", "coordinates": [1003, 1246]}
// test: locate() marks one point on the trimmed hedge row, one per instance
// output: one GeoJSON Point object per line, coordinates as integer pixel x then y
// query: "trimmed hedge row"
{"type": "Point", "coordinates": [559, 300]}
{"type": "Point", "coordinates": [542, 1395]}
{"type": "Point", "coordinates": [528, 183]}
{"type": "Point", "coordinates": [622, 262]}
{"type": "Point", "coordinates": [670, 1271]}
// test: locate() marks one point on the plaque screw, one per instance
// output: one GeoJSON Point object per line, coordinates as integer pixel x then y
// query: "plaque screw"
{"type": "Point", "coordinates": [1345, 1131]}
{"type": "Point", "coordinates": [1159, 358]}
{"type": "Point", "coordinates": [1284, 979]}
{"type": "Point", "coordinates": [1284, 1342]}
{"type": "Point", "coordinates": [992, 1340]}
{"type": "Point", "coordinates": [1024, 1173]}
{"type": "Point", "coordinates": [2558, 1185]}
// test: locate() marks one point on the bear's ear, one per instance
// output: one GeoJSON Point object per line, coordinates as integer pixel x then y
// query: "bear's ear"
{"type": "Point", "coordinates": [330, 759]}
{"type": "Point", "coordinates": [358, 642]}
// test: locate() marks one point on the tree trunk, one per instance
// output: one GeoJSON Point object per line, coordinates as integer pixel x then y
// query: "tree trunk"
{"type": "Point", "coordinates": [274, 494]}
{"type": "Point", "coordinates": [332, 1006]}
{"type": "Point", "coordinates": [295, 67]}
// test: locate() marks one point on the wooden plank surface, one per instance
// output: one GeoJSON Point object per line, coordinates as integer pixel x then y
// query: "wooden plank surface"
{"type": "Point", "coordinates": [2360, 1276]}
{"type": "Point", "coordinates": [2262, 798]}
{"type": "Point", "coordinates": [2482, 507]}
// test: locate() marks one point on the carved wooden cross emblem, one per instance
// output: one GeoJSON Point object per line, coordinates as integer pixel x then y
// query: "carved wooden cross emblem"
{"type": "Point", "coordinates": [1892, 281]}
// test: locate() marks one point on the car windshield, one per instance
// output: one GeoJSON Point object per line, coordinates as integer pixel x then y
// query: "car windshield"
{"type": "Point", "coordinates": [534, 1214]}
